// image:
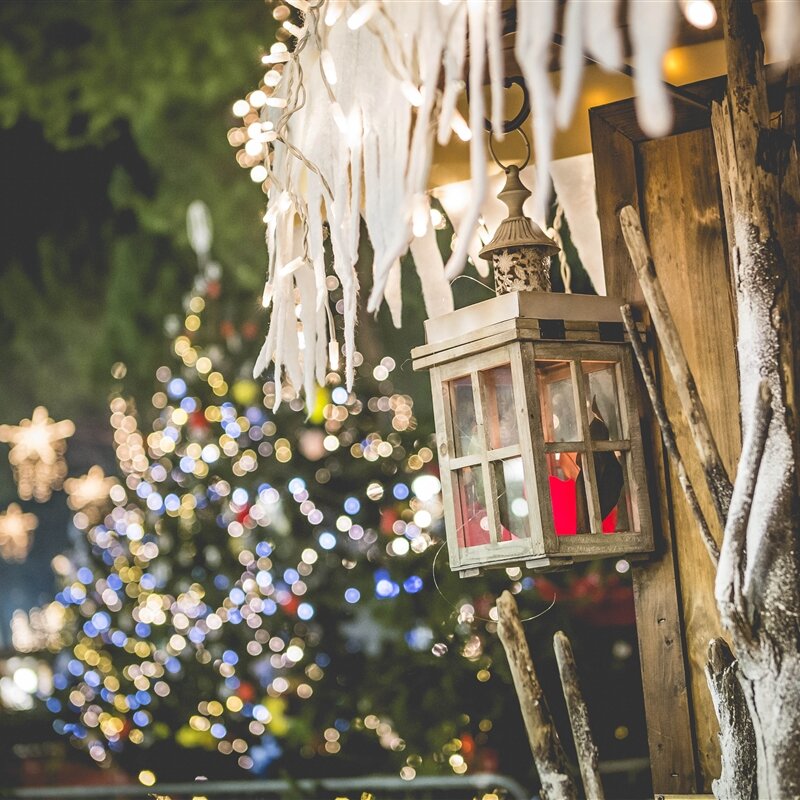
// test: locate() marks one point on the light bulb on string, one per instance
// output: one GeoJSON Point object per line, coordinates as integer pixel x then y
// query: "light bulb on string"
{"type": "Point", "coordinates": [362, 15]}
{"type": "Point", "coordinates": [334, 11]}
{"type": "Point", "coordinates": [700, 13]}
{"type": "Point", "coordinates": [328, 67]}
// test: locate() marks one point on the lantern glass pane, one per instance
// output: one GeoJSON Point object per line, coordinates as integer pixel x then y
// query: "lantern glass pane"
{"type": "Point", "coordinates": [500, 413]}
{"type": "Point", "coordinates": [472, 520]}
{"type": "Point", "coordinates": [627, 509]}
{"type": "Point", "coordinates": [557, 398]}
{"type": "Point", "coordinates": [512, 502]}
{"type": "Point", "coordinates": [465, 425]}
{"type": "Point", "coordinates": [603, 400]}
{"type": "Point", "coordinates": [568, 494]}
{"type": "Point", "coordinates": [612, 495]}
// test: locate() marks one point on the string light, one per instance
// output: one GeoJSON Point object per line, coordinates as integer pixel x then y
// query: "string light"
{"type": "Point", "coordinates": [89, 492]}
{"type": "Point", "coordinates": [362, 15]}
{"type": "Point", "coordinates": [700, 13]}
{"type": "Point", "coordinates": [16, 533]}
{"type": "Point", "coordinates": [37, 453]}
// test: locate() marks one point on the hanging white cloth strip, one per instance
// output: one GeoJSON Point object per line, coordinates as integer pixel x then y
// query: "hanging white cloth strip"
{"type": "Point", "coordinates": [352, 121]}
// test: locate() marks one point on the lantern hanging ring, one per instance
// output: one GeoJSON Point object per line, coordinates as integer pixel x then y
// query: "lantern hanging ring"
{"type": "Point", "coordinates": [503, 166]}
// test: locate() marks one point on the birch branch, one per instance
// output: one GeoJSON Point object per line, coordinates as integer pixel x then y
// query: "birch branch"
{"type": "Point", "coordinates": [668, 435]}
{"type": "Point", "coordinates": [548, 754]}
{"type": "Point", "coordinates": [729, 588]}
{"type": "Point", "coordinates": [578, 718]}
{"type": "Point", "coordinates": [736, 734]}
{"type": "Point", "coordinates": [716, 475]}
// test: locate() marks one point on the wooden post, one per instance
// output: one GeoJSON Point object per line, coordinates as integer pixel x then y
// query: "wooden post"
{"type": "Point", "coordinates": [578, 718]}
{"type": "Point", "coordinates": [548, 754]}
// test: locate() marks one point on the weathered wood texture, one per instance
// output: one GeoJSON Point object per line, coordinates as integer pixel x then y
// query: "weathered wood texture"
{"type": "Point", "coordinates": [673, 184]}
{"type": "Point", "coordinates": [758, 581]}
{"type": "Point", "coordinates": [585, 747]}
{"type": "Point", "coordinates": [717, 480]}
{"type": "Point", "coordinates": [737, 780]}
{"type": "Point", "coordinates": [548, 754]}
{"type": "Point", "coordinates": [683, 220]}
{"type": "Point", "coordinates": [668, 434]}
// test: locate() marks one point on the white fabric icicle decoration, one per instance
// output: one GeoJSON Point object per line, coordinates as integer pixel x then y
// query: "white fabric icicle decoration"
{"type": "Point", "coordinates": [370, 88]}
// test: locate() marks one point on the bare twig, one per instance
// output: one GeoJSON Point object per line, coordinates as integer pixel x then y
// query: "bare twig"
{"type": "Point", "coordinates": [548, 754]}
{"type": "Point", "coordinates": [736, 734]}
{"type": "Point", "coordinates": [668, 435]}
{"type": "Point", "coordinates": [729, 587]}
{"type": "Point", "coordinates": [717, 478]}
{"type": "Point", "coordinates": [578, 718]}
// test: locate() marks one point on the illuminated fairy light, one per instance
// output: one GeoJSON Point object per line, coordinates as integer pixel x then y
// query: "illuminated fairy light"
{"type": "Point", "coordinates": [38, 629]}
{"type": "Point", "coordinates": [16, 533]}
{"type": "Point", "coordinates": [37, 453]}
{"type": "Point", "coordinates": [89, 492]}
{"type": "Point", "coordinates": [362, 15]}
{"type": "Point", "coordinates": [700, 13]}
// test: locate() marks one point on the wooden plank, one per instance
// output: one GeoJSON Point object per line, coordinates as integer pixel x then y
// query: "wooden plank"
{"type": "Point", "coordinates": [617, 186]}
{"type": "Point", "coordinates": [658, 614]}
{"type": "Point", "coordinates": [682, 214]}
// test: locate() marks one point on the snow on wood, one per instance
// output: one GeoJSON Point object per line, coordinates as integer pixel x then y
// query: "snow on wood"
{"type": "Point", "coordinates": [737, 739]}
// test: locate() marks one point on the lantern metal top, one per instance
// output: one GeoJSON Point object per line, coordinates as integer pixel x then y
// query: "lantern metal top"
{"type": "Point", "coordinates": [517, 230]}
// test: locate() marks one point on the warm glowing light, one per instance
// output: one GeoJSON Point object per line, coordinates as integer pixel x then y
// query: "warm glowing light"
{"type": "Point", "coordinates": [89, 491]}
{"type": "Point", "coordinates": [411, 93]}
{"type": "Point", "coordinates": [338, 117]}
{"type": "Point", "coordinates": [362, 15]}
{"type": "Point", "coordinates": [37, 453]}
{"type": "Point", "coordinates": [16, 533]}
{"type": "Point", "coordinates": [333, 355]}
{"type": "Point", "coordinates": [438, 219]}
{"type": "Point", "coordinates": [258, 174]}
{"type": "Point", "coordinates": [254, 148]}
{"type": "Point", "coordinates": [258, 98]}
{"type": "Point", "coordinates": [328, 67]}
{"type": "Point", "coordinates": [420, 216]}
{"type": "Point", "coordinates": [460, 127]}
{"type": "Point", "coordinates": [700, 13]}
{"type": "Point", "coordinates": [241, 108]}
{"type": "Point", "coordinates": [147, 778]}
{"type": "Point", "coordinates": [295, 30]}
{"type": "Point", "coordinates": [334, 11]}
{"type": "Point", "coordinates": [26, 679]}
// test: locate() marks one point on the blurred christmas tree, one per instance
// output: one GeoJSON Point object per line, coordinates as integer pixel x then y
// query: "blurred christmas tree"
{"type": "Point", "coordinates": [262, 587]}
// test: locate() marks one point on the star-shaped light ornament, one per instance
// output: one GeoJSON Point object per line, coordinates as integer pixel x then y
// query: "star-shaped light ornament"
{"type": "Point", "coordinates": [16, 533]}
{"type": "Point", "coordinates": [37, 452]}
{"type": "Point", "coordinates": [89, 493]}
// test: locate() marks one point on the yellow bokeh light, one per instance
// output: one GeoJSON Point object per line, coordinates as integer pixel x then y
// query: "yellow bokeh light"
{"type": "Point", "coordinates": [147, 778]}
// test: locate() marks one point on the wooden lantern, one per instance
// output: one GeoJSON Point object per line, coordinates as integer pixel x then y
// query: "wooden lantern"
{"type": "Point", "coordinates": [537, 431]}
{"type": "Point", "coordinates": [536, 416]}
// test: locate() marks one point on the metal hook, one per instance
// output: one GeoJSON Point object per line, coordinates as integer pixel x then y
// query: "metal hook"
{"type": "Point", "coordinates": [499, 163]}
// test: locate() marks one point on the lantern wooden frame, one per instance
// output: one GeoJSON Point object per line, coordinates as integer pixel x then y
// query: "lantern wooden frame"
{"type": "Point", "coordinates": [514, 332]}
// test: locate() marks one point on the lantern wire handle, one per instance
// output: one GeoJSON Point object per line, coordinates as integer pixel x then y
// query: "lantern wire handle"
{"type": "Point", "coordinates": [503, 166]}
{"type": "Point", "coordinates": [475, 616]}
